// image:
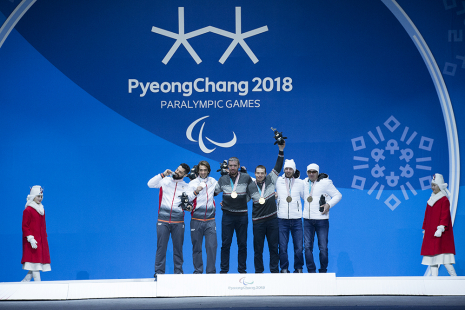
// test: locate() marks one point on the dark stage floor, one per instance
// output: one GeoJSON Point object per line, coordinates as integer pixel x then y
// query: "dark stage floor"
{"type": "Point", "coordinates": [297, 302]}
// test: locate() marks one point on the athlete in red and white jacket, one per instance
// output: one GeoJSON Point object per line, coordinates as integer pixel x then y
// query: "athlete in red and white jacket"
{"type": "Point", "coordinates": [204, 203]}
{"type": "Point", "coordinates": [171, 187]}
{"type": "Point", "coordinates": [203, 223]}
{"type": "Point", "coordinates": [170, 216]}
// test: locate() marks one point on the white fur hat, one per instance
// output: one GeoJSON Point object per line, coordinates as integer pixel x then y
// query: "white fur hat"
{"type": "Point", "coordinates": [36, 190]}
{"type": "Point", "coordinates": [289, 163]}
{"type": "Point", "coordinates": [438, 179]}
{"type": "Point", "coordinates": [313, 167]}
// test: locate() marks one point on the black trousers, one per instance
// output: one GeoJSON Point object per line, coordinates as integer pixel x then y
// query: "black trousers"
{"type": "Point", "coordinates": [229, 224]}
{"type": "Point", "coordinates": [269, 230]}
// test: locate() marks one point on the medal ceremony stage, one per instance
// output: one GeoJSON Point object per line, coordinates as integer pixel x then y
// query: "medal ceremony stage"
{"type": "Point", "coordinates": [216, 285]}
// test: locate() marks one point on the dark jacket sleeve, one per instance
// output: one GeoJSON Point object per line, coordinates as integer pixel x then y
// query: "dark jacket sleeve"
{"type": "Point", "coordinates": [279, 162]}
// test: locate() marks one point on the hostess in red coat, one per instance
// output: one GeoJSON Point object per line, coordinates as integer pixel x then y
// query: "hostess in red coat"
{"type": "Point", "coordinates": [34, 225]}
{"type": "Point", "coordinates": [436, 215]}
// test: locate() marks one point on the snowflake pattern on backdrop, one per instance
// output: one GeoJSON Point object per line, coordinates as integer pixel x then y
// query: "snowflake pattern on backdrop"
{"type": "Point", "coordinates": [387, 152]}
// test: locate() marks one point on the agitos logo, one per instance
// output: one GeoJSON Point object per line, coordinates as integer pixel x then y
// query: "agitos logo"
{"type": "Point", "coordinates": [201, 144]}
{"type": "Point", "coordinates": [244, 281]}
{"type": "Point", "coordinates": [181, 38]}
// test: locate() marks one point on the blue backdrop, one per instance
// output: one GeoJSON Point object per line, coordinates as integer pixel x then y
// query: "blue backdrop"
{"type": "Point", "coordinates": [97, 98]}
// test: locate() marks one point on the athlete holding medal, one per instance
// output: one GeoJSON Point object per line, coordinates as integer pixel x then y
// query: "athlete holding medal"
{"type": "Point", "coordinates": [316, 215]}
{"type": "Point", "coordinates": [264, 215]}
{"type": "Point", "coordinates": [290, 190]}
{"type": "Point", "coordinates": [203, 223]}
{"type": "Point", "coordinates": [237, 188]}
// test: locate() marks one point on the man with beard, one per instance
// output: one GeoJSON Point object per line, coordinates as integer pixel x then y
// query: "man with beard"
{"type": "Point", "coordinates": [203, 219]}
{"type": "Point", "coordinates": [170, 216]}
{"type": "Point", "coordinates": [237, 189]}
{"type": "Point", "coordinates": [264, 215]}
{"type": "Point", "coordinates": [290, 189]}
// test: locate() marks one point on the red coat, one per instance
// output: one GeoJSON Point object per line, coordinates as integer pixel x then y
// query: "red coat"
{"type": "Point", "coordinates": [34, 224]}
{"type": "Point", "coordinates": [438, 214]}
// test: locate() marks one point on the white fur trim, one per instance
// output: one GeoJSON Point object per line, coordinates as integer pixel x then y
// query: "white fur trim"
{"type": "Point", "coordinates": [36, 267]}
{"type": "Point", "coordinates": [438, 259]}
{"type": "Point", "coordinates": [435, 197]}
{"type": "Point", "coordinates": [38, 208]}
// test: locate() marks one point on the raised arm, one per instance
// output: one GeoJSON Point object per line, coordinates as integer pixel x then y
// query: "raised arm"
{"type": "Point", "coordinates": [155, 182]}
{"type": "Point", "coordinates": [279, 164]}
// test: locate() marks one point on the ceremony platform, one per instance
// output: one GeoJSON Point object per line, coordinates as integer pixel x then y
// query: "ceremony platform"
{"type": "Point", "coordinates": [189, 285]}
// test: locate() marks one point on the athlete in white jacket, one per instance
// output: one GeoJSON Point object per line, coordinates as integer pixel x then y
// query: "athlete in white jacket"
{"type": "Point", "coordinates": [290, 190]}
{"type": "Point", "coordinates": [317, 185]}
{"type": "Point", "coordinates": [203, 223]}
{"type": "Point", "coordinates": [170, 215]}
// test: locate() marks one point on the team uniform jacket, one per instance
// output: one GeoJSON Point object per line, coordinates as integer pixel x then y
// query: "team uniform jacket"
{"type": "Point", "coordinates": [323, 187]}
{"type": "Point", "coordinates": [268, 210]}
{"type": "Point", "coordinates": [204, 202]}
{"type": "Point", "coordinates": [438, 214]}
{"type": "Point", "coordinates": [34, 225]}
{"type": "Point", "coordinates": [293, 209]}
{"type": "Point", "coordinates": [169, 210]}
{"type": "Point", "coordinates": [245, 189]}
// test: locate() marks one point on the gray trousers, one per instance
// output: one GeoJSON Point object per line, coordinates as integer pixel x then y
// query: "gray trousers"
{"type": "Point", "coordinates": [177, 237]}
{"type": "Point", "coordinates": [199, 229]}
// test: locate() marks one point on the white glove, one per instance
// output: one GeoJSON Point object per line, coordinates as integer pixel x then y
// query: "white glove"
{"type": "Point", "coordinates": [32, 241]}
{"type": "Point", "coordinates": [423, 234]}
{"type": "Point", "coordinates": [439, 232]}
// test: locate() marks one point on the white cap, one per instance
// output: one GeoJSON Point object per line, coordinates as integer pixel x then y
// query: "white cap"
{"type": "Point", "coordinates": [289, 163]}
{"type": "Point", "coordinates": [313, 167]}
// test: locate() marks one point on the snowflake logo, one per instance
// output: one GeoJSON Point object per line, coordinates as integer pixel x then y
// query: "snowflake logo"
{"type": "Point", "coordinates": [394, 165]}
{"type": "Point", "coordinates": [237, 37]}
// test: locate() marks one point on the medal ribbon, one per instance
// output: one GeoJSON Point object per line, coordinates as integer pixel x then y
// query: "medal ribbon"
{"type": "Point", "coordinates": [262, 191]}
{"type": "Point", "coordinates": [289, 187]}
{"type": "Point", "coordinates": [235, 184]}
{"type": "Point", "coordinates": [204, 181]}
{"type": "Point", "coordinates": [310, 189]}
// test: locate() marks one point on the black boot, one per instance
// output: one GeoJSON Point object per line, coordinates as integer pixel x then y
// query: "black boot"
{"type": "Point", "coordinates": [284, 270]}
{"type": "Point", "coordinates": [298, 271]}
